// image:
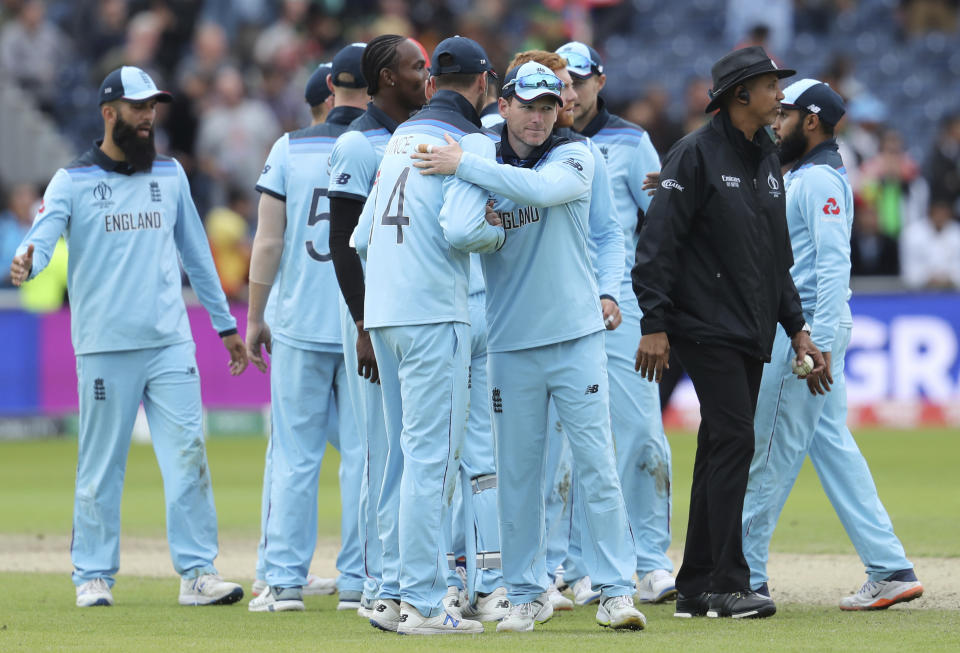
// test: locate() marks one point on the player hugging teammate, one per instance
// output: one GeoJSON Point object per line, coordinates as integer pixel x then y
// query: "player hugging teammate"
{"type": "Point", "coordinates": [465, 293]}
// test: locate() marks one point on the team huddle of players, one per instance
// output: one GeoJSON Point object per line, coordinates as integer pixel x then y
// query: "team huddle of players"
{"type": "Point", "coordinates": [482, 250]}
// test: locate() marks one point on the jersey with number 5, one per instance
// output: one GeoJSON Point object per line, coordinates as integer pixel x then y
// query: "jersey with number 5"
{"type": "Point", "coordinates": [424, 227]}
{"type": "Point", "coordinates": [303, 304]}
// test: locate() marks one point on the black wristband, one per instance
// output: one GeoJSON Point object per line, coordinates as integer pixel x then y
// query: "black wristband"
{"type": "Point", "coordinates": [227, 332]}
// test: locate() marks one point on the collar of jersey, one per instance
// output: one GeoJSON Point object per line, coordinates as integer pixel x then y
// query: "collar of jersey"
{"type": "Point", "coordinates": [508, 156]}
{"type": "Point", "coordinates": [599, 121]}
{"type": "Point", "coordinates": [101, 159]}
{"type": "Point", "coordinates": [381, 117]}
{"type": "Point", "coordinates": [343, 115]}
{"type": "Point", "coordinates": [453, 101]}
{"type": "Point", "coordinates": [826, 146]}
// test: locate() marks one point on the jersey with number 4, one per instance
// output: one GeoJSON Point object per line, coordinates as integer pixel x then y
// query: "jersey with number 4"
{"type": "Point", "coordinates": [424, 227]}
{"type": "Point", "coordinates": [304, 298]}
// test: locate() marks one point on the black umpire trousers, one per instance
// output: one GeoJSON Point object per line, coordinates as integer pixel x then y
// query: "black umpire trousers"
{"type": "Point", "coordinates": [727, 382]}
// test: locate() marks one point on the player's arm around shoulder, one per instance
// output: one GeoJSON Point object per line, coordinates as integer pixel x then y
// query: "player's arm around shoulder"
{"type": "Point", "coordinates": [464, 210]}
{"type": "Point", "coordinates": [53, 216]}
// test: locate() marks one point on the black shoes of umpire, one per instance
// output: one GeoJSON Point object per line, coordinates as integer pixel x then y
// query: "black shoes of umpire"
{"type": "Point", "coordinates": [745, 604]}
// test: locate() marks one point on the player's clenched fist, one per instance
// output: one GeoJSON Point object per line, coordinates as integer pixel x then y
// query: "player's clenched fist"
{"type": "Point", "coordinates": [21, 266]}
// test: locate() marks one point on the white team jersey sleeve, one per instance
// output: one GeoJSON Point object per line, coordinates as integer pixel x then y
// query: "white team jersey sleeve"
{"type": "Point", "coordinates": [273, 179]}
{"type": "Point", "coordinates": [52, 219]}
{"type": "Point", "coordinates": [462, 214]}
{"type": "Point", "coordinates": [606, 237]}
{"type": "Point", "coordinates": [561, 180]}
{"type": "Point", "coordinates": [191, 240]}
{"type": "Point", "coordinates": [353, 164]}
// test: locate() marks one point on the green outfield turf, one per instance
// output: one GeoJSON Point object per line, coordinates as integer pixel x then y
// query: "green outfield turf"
{"type": "Point", "coordinates": [913, 469]}
{"type": "Point", "coordinates": [40, 616]}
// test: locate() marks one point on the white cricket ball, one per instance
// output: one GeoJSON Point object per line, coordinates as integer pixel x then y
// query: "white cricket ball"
{"type": "Point", "coordinates": [805, 368]}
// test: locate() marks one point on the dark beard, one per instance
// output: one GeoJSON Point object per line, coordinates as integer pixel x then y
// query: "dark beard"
{"type": "Point", "coordinates": [792, 145]}
{"type": "Point", "coordinates": [140, 152]}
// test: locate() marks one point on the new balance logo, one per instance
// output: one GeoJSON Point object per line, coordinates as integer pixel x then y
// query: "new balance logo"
{"type": "Point", "coordinates": [450, 620]}
{"type": "Point", "coordinates": [573, 163]}
{"type": "Point", "coordinates": [497, 401]}
{"type": "Point", "coordinates": [342, 179]}
{"type": "Point", "coordinates": [403, 617]}
{"type": "Point", "coordinates": [155, 192]}
{"type": "Point", "coordinates": [99, 390]}
{"type": "Point", "coordinates": [592, 389]}
{"type": "Point", "coordinates": [383, 608]}
{"type": "Point", "coordinates": [191, 370]}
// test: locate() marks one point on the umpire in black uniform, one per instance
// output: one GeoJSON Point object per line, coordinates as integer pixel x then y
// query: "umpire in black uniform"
{"type": "Point", "coordinates": [712, 276]}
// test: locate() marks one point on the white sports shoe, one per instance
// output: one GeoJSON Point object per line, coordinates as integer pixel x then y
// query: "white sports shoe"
{"type": "Point", "coordinates": [617, 612]}
{"type": "Point", "coordinates": [93, 593]}
{"type": "Point", "coordinates": [451, 602]}
{"type": "Point", "coordinates": [349, 600]}
{"type": "Point", "coordinates": [386, 615]}
{"type": "Point", "coordinates": [521, 617]}
{"type": "Point", "coordinates": [258, 586]}
{"type": "Point", "coordinates": [657, 586]}
{"type": "Point", "coordinates": [277, 600]}
{"type": "Point", "coordinates": [208, 589]}
{"type": "Point", "coordinates": [880, 595]}
{"type": "Point", "coordinates": [414, 623]}
{"type": "Point", "coordinates": [365, 611]}
{"type": "Point", "coordinates": [558, 600]}
{"type": "Point", "coordinates": [317, 586]}
{"type": "Point", "coordinates": [492, 607]}
{"type": "Point", "coordinates": [583, 592]}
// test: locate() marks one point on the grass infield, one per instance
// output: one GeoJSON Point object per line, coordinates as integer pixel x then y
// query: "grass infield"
{"type": "Point", "coordinates": [914, 470]}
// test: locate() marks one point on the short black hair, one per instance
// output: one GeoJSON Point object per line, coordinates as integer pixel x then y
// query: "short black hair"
{"type": "Point", "coordinates": [380, 53]}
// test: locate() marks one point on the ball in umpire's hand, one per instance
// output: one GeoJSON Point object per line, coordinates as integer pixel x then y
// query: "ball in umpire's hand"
{"type": "Point", "coordinates": [805, 368]}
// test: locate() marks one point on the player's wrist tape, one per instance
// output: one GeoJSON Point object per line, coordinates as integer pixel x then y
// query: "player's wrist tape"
{"type": "Point", "coordinates": [485, 482]}
{"type": "Point", "coordinates": [227, 332]}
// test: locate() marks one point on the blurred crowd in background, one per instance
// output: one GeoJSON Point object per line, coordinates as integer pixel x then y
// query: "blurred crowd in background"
{"type": "Point", "coordinates": [237, 69]}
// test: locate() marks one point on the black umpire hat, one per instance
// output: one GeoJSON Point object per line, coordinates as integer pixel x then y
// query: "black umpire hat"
{"type": "Point", "coordinates": [739, 65]}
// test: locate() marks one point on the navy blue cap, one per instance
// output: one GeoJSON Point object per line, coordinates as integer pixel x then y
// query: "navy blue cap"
{"type": "Point", "coordinates": [467, 57]}
{"type": "Point", "coordinates": [348, 67]}
{"type": "Point", "coordinates": [816, 97]}
{"type": "Point", "coordinates": [131, 84]}
{"type": "Point", "coordinates": [317, 90]}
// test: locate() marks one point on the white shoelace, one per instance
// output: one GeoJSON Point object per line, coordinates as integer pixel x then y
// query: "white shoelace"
{"type": "Point", "coordinates": [96, 585]}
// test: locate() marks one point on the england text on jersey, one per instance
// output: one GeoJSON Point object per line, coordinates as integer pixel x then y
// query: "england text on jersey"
{"type": "Point", "coordinates": [132, 222]}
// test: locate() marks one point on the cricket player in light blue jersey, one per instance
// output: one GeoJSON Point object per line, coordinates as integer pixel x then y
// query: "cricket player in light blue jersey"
{"type": "Point", "coordinates": [643, 453]}
{"type": "Point", "coordinates": [416, 310]}
{"type": "Point", "coordinates": [545, 341]}
{"type": "Point", "coordinates": [307, 353]}
{"type": "Point", "coordinates": [395, 69]}
{"type": "Point", "coordinates": [129, 221]}
{"type": "Point", "coordinates": [606, 244]}
{"type": "Point", "coordinates": [792, 420]}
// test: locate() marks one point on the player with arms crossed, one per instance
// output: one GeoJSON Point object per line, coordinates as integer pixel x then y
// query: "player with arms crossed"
{"type": "Point", "coordinates": [415, 308]}
{"type": "Point", "coordinates": [127, 214]}
{"type": "Point", "coordinates": [395, 69]}
{"type": "Point", "coordinates": [309, 373]}
{"type": "Point", "coordinates": [792, 422]}
{"type": "Point", "coordinates": [552, 348]}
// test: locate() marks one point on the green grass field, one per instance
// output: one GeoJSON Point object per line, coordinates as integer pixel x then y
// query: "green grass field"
{"type": "Point", "coordinates": [915, 471]}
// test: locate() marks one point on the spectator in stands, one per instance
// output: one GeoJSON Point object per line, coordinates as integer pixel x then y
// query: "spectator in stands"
{"type": "Point", "coordinates": [139, 49]}
{"type": "Point", "coordinates": [209, 53]}
{"type": "Point", "coordinates": [228, 230]}
{"type": "Point", "coordinates": [652, 112]}
{"type": "Point", "coordinates": [859, 136]}
{"type": "Point", "coordinates": [871, 253]}
{"type": "Point", "coordinates": [234, 135]}
{"type": "Point", "coordinates": [745, 16]}
{"type": "Point", "coordinates": [892, 181]}
{"type": "Point", "coordinates": [696, 95]}
{"type": "Point", "coordinates": [922, 16]}
{"type": "Point", "coordinates": [103, 25]}
{"type": "Point", "coordinates": [284, 33]}
{"type": "Point", "coordinates": [32, 49]}
{"type": "Point", "coordinates": [943, 166]}
{"type": "Point", "coordinates": [930, 250]}
{"type": "Point", "coordinates": [15, 221]}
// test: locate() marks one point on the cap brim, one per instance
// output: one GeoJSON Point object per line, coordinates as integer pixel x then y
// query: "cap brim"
{"type": "Point", "coordinates": [579, 74]}
{"type": "Point", "coordinates": [538, 96]}
{"type": "Point", "coordinates": [162, 96]}
{"type": "Point", "coordinates": [714, 104]}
